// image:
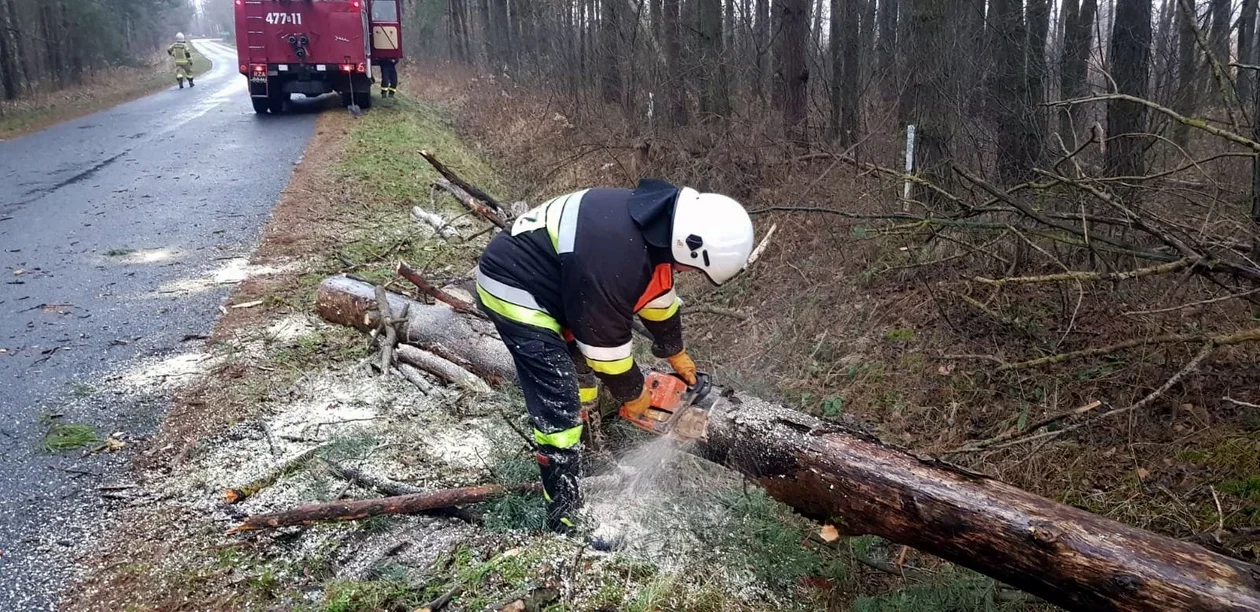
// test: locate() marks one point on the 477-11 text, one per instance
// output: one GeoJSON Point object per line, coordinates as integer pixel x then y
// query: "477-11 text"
{"type": "Point", "coordinates": [284, 18]}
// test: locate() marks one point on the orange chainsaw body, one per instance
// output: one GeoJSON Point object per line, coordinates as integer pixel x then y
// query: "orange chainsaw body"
{"type": "Point", "coordinates": [676, 408]}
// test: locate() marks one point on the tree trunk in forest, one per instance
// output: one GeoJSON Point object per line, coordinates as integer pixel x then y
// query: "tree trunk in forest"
{"type": "Point", "coordinates": [846, 72]}
{"type": "Point", "coordinates": [10, 67]}
{"type": "Point", "coordinates": [610, 52]}
{"type": "Point", "coordinates": [1130, 61]}
{"type": "Point", "coordinates": [866, 43]}
{"type": "Point", "coordinates": [1016, 155]}
{"type": "Point", "coordinates": [714, 102]}
{"type": "Point", "coordinates": [1069, 86]}
{"type": "Point", "coordinates": [1246, 50]}
{"type": "Point", "coordinates": [676, 86]}
{"type": "Point", "coordinates": [903, 78]}
{"type": "Point", "coordinates": [1218, 32]}
{"type": "Point", "coordinates": [793, 63]}
{"type": "Point", "coordinates": [1038, 29]}
{"type": "Point", "coordinates": [886, 48]}
{"type": "Point", "coordinates": [761, 46]}
{"type": "Point", "coordinates": [1163, 58]}
{"type": "Point", "coordinates": [931, 38]}
{"type": "Point", "coordinates": [1185, 100]}
{"type": "Point", "coordinates": [483, 18]}
{"type": "Point", "coordinates": [844, 476]}
{"type": "Point", "coordinates": [500, 33]}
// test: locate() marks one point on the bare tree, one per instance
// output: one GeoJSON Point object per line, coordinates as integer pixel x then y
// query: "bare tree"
{"type": "Point", "coordinates": [1185, 99]}
{"type": "Point", "coordinates": [931, 110]}
{"type": "Point", "coordinates": [1130, 62]}
{"type": "Point", "coordinates": [714, 101]}
{"type": "Point", "coordinates": [793, 66]}
{"type": "Point", "coordinates": [846, 71]}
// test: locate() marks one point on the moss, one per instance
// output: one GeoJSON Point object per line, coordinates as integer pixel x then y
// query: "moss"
{"type": "Point", "coordinates": [66, 436]}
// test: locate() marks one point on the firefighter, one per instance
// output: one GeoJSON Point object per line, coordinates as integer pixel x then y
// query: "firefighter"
{"type": "Point", "coordinates": [389, 78]}
{"type": "Point", "coordinates": [563, 286]}
{"type": "Point", "coordinates": [183, 60]}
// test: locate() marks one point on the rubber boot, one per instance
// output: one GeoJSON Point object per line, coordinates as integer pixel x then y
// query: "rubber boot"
{"type": "Point", "coordinates": [191, 83]}
{"type": "Point", "coordinates": [181, 83]}
{"type": "Point", "coordinates": [560, 471]}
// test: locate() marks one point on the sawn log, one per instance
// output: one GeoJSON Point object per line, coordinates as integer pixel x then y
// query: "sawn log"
{"type": "Point", "coordinates": [1065, 555]}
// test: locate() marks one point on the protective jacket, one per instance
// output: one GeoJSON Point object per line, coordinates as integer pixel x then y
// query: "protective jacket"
{"type": "Point", "coordinates": [583, 265]}
{"type": "Point", "coordinates": [181, 53]}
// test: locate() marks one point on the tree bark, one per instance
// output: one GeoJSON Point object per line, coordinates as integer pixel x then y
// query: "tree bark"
{"type": "Point", "coordinates": [610, 52]}
{"type": "Point", "coordinates": [1130, 61]}
{"type": "Point", "coordinates": [840, 475]}
{"type": "Point", "coordinates": [676, 95]}
{"type": "Point", "coordinates": [886, 48]}
{"type": "Point", "coordinates": [846, 71]}
{"type": "Point", "coordinates": [714, 102]}
{"type": "Point", "coordinates": [1038, 30]}
{"type": "Point", "coordinates": [929, 108]}
{"type": "Point", "coordinates": [1246, 50]}
{"type": "Point", "coordinates": [1009, 92]}
{"type": "Point", "coordinates": [761, 46]}
{"type": "Point", "coordinates": [1185, 100]}
{"type": "Point", "coordinates": [793, 63]}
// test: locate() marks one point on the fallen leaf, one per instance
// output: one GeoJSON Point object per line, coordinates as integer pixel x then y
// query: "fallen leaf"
{"type": "Point", "coordinates": [946, 370]}
{"type": "Point", "coordinates": [829, 533]}
{"type": "Point", "coordinates": [248, 304]}
{"type": "Point", "coordinates": [516, 606]}
{"type": "Point", "coordinates": [1143, 473]}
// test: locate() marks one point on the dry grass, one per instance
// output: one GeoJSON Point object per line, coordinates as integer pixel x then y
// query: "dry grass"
{"type": "Point", "coordinates": [857, 316]}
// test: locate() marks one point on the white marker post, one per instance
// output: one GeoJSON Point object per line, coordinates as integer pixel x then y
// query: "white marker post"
{"type": "Point", "coordinates": [905, 197]}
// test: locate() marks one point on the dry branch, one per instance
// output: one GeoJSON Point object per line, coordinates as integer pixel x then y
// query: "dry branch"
{"type": "Point", "coordinates": [442, 368]}
{"type": "Point", "coordinates": [1020, 433]}
{"type": "Point", "coordinates": [416, 279]}
{"type": "Point", "coordinates": [761, 247]}
{"type": "Point", "coordinates": [436, 221]}
{"type": "Point", "coordinates": [361, 509]}
{"type": "Point", "coordinates": [1250, 335]}
{"type": "Point", "coordinates": [471, 203]}
{"type": "Point", "coordinates": [1198, 124]}
{"type": "Point", "coordinates": [410, 374]}
{"type": "Point", "coordinates": [1167, 268]}
{"type": "Point", "coordinates": [239, 494]}
{"type": "Point", "coordinates": [388, 326]}
{"type": "Point", "coordinates": [461, 183]}
{"type": "Point", "coordinates": [385, 486]}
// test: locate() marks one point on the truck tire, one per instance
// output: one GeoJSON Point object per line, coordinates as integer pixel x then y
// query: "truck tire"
{"type": "Point", "coordinates": [276, 102]}
{"type": "Point", "coordinates": [260, 105]}
{"type": "Point", "coordinates": [363, 99]}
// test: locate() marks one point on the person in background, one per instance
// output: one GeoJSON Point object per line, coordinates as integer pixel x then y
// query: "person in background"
{"type": "Point", "coordinates": [182, 53]}
{"type": "Point", "coordinates": [389, 77]}
{"type": "Point", "coordinates": [563, 286]}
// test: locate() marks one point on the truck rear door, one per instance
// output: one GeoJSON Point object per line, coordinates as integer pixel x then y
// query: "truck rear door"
{"type": "Point", "coordinates": [387, 29]}
{"type": "Point", "coordinates": [331, 32]}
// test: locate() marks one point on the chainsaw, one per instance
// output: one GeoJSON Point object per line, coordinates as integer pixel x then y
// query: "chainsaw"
{"type": "Point", "coordinates": [677, 409]}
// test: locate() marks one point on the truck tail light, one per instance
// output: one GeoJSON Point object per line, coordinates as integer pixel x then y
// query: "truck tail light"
{"type": "Point", "coordinates": [260, 68]}
{"type": "Point", "coordinates": [347, 67]}
{"type": "Point", "coordinates": [244, 68]}
{"type": "Point", "coordinates": [355, 4]}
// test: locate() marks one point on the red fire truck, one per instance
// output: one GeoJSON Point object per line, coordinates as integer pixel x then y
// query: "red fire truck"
{"type": "Point", "coordinates": [314, 47]}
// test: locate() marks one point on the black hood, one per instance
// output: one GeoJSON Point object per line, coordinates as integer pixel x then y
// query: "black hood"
{"type": "Point", "coordinates": [651, 206]}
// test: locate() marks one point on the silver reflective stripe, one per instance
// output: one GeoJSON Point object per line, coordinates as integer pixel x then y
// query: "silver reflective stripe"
{"type": "Point", "coordinates": [567, 231]}
{"type": "Point", "coordinates": [609, 353]}
{"type": "Point", "coordinates": [665, 301]}
{"type": "Point", "coordinates": [507, 293]}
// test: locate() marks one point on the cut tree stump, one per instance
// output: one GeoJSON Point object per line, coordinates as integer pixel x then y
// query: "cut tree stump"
{"type": "Point", "coordinates": [1062, 554]}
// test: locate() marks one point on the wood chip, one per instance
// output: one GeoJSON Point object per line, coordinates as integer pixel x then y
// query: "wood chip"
{"type": "Point", "coordinates": [247, 304]}
{"type": "Point", "coordinates": [829, 533]}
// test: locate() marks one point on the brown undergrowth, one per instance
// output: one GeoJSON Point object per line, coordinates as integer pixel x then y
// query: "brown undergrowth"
{"type": "Point", "coordinates": [883, 319]}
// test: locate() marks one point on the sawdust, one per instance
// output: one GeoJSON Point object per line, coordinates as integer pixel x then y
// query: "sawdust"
{"type": "Point", "coordinates": [163, 373]}
{"type": "Point", "coordinates": [150, 256]}
{"type": "Point", "coordinates": [291, 327]}
{"type": "Point", "coordinates": [232, 272]}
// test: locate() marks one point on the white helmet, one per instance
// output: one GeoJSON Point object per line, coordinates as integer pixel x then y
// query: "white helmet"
{"type": "Point", "coordinates": [711, 232]}
{"type": "Point", "coordinates": [179, 37]}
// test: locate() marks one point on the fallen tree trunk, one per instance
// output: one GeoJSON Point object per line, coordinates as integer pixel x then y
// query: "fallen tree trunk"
{"type": "Point", "coordinates": [1063, 554]}
{"type": "Point", "coordinates": [351, 302]}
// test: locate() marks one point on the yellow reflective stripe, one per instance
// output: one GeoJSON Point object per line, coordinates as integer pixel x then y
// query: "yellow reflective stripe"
{"type": "Point", "coordinates": [588, 394]}
{"type": "Point", "coordinates": [619, 366]}
{"type": "Point", "coordinates": [661, 314]}
{"type": "Point", "coordinates": [520, 314]}
{"type": "Point", "coordinates": [561, 439]}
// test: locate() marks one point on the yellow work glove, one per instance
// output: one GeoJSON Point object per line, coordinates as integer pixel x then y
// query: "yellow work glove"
{"type": "Point", "coordinates": [684, 367]}
{"type": "Point", "coordinates": [635, 408]}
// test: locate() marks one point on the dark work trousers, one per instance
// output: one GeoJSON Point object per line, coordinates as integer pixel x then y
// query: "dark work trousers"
{"type": "Point", "coordinates": [548, 375]}
{"type": "Point", "coordinates": [389, 76]}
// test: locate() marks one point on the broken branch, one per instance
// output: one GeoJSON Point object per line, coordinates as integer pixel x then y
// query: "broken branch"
{"type": "Point", "coordinates": [1250, 335]}
{"type": "Point", "coordinates": [442, 368]}
{"type": "Point", "coordinates": [240, 494]}
{"type": "Point", "coordinates": [455, 179]}
{"type": "Point", "coordinates": [471, 203]}
{"type": "Point", "coordinates": [412, 275]}
{"type": "Point", "coordinates": [1167, 268]}
{"type": "Point", "coordinates": [761, 247]}
{"type": "Point", "coordinates": [384, 486]}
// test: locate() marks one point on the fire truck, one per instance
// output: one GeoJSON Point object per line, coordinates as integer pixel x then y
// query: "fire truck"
{"type": "Point", "coordinates": [314, 47]}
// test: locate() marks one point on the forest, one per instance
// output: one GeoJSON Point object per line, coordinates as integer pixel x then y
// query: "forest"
{"type": "Point", "coordinates": [47, 45]}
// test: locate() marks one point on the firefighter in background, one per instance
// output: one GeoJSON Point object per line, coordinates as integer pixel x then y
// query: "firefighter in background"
{"type": "Point", "coordinates": [183, 60]}
{"type": "Point", "coordinates": [389, 77]}
{"type": "Point", "coordinates": [563, 287]}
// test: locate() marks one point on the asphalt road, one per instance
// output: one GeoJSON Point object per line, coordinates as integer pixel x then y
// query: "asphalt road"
{"type": "Point", "coordinates": [112, 228]}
